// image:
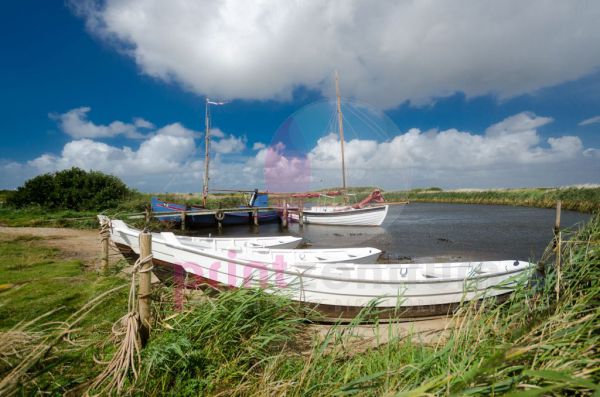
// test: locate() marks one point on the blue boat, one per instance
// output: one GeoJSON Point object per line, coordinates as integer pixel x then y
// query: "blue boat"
{"type": "Point", "coordinates": [243, 217]}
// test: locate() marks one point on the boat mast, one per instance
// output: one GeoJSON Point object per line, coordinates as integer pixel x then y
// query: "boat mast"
{"type": "Point", "coordinates": [206, 154]}
{"type": "Point", "coordinates": [341, 130]}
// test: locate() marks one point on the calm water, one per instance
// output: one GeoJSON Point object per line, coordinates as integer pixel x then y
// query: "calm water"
{"type": "Point", "coordinates": [442, 232]}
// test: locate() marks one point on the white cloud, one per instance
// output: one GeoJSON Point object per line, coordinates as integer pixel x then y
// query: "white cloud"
{"type": "Point", "coordinates": [591, 120]}
{"type": "Point", "coordinates": [514, 140]}
{"type": "Point", "coordinates": [258, 146]}
{"type": "Point", "coordinates": [166, 159]}
{"type": "Point", "coordinates": [141, 123]}
{"type": "Point", "coordinates": [167, 151]}
{"type": "Point", "coordinates": [216, 132]}
{"type": "Point", "coordinates": [592, 152]}
{"type": "Point", "coordinates": [75, 123]}
{"type": "Point", "coordinates": [387, 51]}
{"type": "Point", "coordinates": [509, 153]}
{"type": "Point", "coordinates": [232, 144]}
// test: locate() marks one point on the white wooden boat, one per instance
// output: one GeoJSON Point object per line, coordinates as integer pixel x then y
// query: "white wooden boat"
{"type": "Point", "coordinates": [343, 215]}
{"type": "Point", "coordinates": [259, 250]}
{"type": "Point", "coordinates": [343, 289]}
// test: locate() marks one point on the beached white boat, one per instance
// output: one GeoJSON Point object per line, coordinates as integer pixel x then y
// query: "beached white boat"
{"type": "Point", "coordinates": [259, 250]}
{"type": "Point", "coordinates": [343, 289]}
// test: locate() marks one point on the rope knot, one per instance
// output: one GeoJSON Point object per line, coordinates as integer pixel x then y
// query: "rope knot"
{"type": "Point", "coordinates": [140, 262]}
{"type": "Point", "coordinates": [105, 231]}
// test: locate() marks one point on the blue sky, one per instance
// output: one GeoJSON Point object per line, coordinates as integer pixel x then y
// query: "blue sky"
{"type": "Point", "coordinates": [70, 70]}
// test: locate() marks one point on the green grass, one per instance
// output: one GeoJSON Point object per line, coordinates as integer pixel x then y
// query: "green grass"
{"type": "Point", "coordinates": [211, 348]}
{"type": "Point", "coordinates": [38, 217]}
{"type": "Point", "coordinates": [35, 280]}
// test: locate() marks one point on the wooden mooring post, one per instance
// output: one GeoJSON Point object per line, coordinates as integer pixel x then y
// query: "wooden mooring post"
{"type": "Point", "coordinates": [557, 246]}
{"type": "Point", "coordinates": [104, 241]}
{"type": "Point", "coordinates": [255, 216]}
{"type": "Point", "coordinates": [301, 217]}
{"type": "Point", "coordinates": [183, 216]}
{"type": "Point", "coordinates": [144, 289]}
{"type": "Point", "coordinates": [284, 215]}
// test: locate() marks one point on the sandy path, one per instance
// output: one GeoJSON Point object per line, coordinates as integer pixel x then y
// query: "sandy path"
{"type": "Point", "coordinates": [73, 243]}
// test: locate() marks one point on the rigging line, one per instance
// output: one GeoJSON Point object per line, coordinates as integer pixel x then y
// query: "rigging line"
{"type": "Point", "coordinates": [368, 122]}
{"type": "Point", "coordinates": [368, 119]}
{"type": "Point", "coordinates": [349, 124]}
{"type": "Point", "coordinates": [332, 121]}
{"type": "Point", "coordinates": [354, 132]}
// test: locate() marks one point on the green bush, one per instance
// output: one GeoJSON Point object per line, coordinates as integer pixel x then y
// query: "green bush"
{"type": "Point", "coordinates": [73, 189]}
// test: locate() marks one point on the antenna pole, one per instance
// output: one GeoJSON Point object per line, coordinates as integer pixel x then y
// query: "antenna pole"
{"type": "Point", "coordinates": [206, 154]}
{"type": "Point", "coordinates": [341, 130]}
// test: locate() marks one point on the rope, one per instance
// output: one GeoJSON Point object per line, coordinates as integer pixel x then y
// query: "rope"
{"type": "Point", "coordinates": [104, 231]}
{"type": "Point", "coordinates": [127, 358]}
{"type": "Point", "coordinates": [138, 268]}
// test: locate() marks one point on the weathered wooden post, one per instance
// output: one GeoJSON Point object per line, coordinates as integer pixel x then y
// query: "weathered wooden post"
{"type": "Point", "coordinates": [183, 216]}
{"type": "Point", "coordinates": [144, 289]}
{"type": "Point", "coordinates": [558, 244]}
{"type": "Point", "coordinates": [284, 215]}
{"type": "Point", "coordinates": [301, 216]}
{"type": "Point", "coordinates": [255, 216]}
{"type": "Point", "coordinates": [105, 235]}
{"type": "Point", "coordinates": [147, 214]}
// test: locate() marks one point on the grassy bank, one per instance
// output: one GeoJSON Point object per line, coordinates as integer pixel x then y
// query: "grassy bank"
{"type": "Point", "coordinates": [577, 199]}
{"type": "Point", "coordinates": [247, 342]}
{"type": "Point", "coordinates": [35, 280]}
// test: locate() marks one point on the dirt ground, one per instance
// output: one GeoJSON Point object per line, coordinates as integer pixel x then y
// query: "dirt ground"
{"type": "Point", "coordinates": [85, 245]}
{"type": "Point", "coordinates": [74, 243]}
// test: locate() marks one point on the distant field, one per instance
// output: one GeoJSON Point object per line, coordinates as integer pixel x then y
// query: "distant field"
{"type": "Point", "coordinates": [577, 199]}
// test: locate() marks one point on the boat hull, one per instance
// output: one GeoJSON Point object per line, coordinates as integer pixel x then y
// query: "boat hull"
{"type": "Point", "coordinates": [175, 275]}
{"type": "Point", "coordinates": [401, 290]}
{"type": "Point", "coordinates": [369, 216]}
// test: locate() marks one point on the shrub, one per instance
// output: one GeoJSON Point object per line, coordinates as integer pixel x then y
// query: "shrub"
{"type": "Point", "coordinates": [73, 189]}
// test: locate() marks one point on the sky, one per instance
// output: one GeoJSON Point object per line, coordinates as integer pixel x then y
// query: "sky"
{"type": "Point", "coordinates": [463, 94]}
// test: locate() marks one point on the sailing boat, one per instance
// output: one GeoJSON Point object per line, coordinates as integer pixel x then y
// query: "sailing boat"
{"type": "Point", "coordinates": [359, 214]}
{"type": "Point", "coordinates": [171, 211]}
